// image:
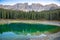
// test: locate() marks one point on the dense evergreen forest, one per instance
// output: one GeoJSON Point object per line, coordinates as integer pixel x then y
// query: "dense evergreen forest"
{"type": "Point", "coordinates": [31, 15]}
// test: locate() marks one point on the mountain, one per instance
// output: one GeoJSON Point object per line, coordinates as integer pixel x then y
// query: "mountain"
{"type": "Point", "coordinates": [32, 7]}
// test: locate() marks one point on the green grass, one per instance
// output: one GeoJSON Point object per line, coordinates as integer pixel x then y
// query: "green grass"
{"type": "Point", "coordinates": [28, 28]}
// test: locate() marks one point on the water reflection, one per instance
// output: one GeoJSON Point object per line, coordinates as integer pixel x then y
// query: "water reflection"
{"type": "Point", "coordinates": [13, 36]}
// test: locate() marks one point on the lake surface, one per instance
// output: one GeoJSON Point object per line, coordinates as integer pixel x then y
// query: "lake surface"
{"type": "Point", "coordinates": [25, 31]}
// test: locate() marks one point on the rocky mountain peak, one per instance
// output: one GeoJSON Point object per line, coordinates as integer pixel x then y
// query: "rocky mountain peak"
{"type": "Point", "coordinates": [27, 7]}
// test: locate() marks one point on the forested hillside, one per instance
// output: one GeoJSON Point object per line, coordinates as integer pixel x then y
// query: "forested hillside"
{"type": "Point", "coordinates": [31, 15]}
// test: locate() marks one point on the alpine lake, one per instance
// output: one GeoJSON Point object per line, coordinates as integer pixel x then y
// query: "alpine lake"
{"type": "Point", "coordinates": [23, 30]}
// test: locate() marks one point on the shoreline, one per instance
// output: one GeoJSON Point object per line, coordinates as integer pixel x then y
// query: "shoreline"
{"type": "Point", "coordinates": [57, 23]}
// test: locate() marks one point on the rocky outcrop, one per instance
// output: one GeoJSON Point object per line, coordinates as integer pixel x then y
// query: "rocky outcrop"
{"type": "Point", "coordinates": [32, 7]}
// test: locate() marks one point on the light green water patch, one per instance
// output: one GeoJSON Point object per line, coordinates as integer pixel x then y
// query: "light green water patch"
{"type": "Point", "coordinates": [25, 28]}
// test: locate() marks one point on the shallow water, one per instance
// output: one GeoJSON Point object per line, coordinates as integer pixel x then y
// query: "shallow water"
{"type": "Point", "coordinates": [13, 36]}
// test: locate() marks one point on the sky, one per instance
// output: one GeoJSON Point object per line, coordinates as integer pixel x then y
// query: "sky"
{"type": "Point", "coordinates": [44, 2]}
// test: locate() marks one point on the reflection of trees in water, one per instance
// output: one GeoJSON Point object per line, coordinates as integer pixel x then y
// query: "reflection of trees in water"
{"type": "Point", "coordinates": [13, 36]}
{"type": "Point", "coordinates": [28, 28]}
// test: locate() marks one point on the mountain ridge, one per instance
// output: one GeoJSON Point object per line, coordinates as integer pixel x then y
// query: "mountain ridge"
{"type": "Point", "coordinates": [32, 7]}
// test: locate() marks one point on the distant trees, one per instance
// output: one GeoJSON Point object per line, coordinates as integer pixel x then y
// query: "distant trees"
{"type": "Point", "coordinates": [31, 15]}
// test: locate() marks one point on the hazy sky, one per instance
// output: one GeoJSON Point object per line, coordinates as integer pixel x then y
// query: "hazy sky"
{"type": "Point", "coordinates": [44, 2]}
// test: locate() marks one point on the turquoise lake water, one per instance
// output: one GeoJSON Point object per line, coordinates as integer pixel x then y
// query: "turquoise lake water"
{"type": "Point", "coordinates": [28, 28]}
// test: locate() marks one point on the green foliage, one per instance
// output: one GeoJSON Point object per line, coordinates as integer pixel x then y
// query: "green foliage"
{"type": "Point", "coordinates": [31, 15]}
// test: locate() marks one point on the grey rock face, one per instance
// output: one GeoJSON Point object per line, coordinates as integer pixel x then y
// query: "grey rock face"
{"type": "Point", "coordinates": [32, 7]}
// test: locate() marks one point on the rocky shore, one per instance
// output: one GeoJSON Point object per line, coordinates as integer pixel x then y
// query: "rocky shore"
{"type": "Point", "coordinates": [57, 23]}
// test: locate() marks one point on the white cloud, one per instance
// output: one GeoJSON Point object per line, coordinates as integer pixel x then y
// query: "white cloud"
{"type": "Point", "coordinates": [44, 2]}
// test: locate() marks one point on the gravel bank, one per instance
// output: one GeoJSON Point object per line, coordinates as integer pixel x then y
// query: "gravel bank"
{"type": "Point", "coordinates": [57, 23]}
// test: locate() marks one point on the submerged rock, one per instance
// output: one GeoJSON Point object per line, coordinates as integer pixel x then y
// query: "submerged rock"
{"type": "Point", "coordinates": [58, 38]}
